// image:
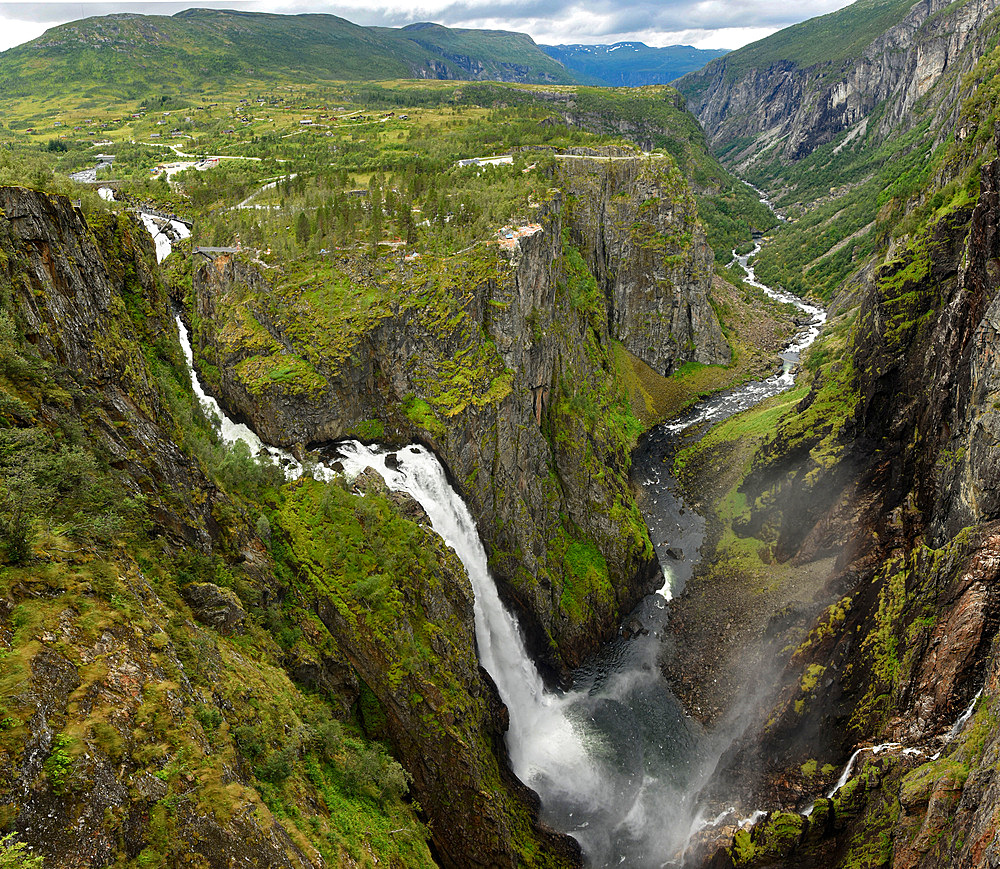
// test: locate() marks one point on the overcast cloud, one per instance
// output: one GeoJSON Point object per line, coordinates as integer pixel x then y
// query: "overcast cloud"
{"type": "Point", "coordinates": [702, 23]}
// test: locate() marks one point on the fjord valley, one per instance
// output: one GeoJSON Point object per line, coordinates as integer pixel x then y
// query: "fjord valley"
{"type": "Point", "coordinates": [406, 471]}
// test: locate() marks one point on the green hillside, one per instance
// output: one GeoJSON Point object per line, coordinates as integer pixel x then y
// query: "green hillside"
{"type": "Point", "coordinates": [128, 56]}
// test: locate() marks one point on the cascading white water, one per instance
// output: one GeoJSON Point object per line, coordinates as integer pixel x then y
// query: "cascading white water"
{"type": "Point", "coordinates": [727, 403]}
{"type": "Point", "coordinates": [956, 728]}
{"type": "Point", "coordinates": [160, 231]}
{"type": "Point", "coordinates": [230, 431]}
{"type": "Point", "coordinates": [542, 740]}
{"type": "Point", "coordinates": [818, 316]}
{"type": "Point", "coordinates": [586, 752]}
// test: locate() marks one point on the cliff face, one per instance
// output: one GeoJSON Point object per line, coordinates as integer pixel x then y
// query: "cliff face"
{"type": "Point", "coordinates": [914, 516]}
{"type": "Point", "coordinates": [93, 800]}
{"type": "Point", "coordinates": [635, 221]}
{"type": "Point", "coordinates": [797, 107]}
{"type": "Point", "coordinates": [501, 361]}
{"type": "Point", "coordinates": [148, 711]}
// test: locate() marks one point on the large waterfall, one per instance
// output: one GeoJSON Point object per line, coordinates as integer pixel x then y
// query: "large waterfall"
{"type": "Point", "coordinates": [614, 758]}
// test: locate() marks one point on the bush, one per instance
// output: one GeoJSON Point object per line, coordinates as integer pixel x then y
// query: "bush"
{"type": "Point", "coordinates": [278, 765]}
{"type": "Point", "coordinates": [20, 502]}
{"type": "Point", "coordinates": [370, 772]}
{"type": "Point", "coordinates": [15, 855]}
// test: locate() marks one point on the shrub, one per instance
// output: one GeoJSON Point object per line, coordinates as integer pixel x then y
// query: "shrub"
{"type": "Point", "coordinates": [15, 855]}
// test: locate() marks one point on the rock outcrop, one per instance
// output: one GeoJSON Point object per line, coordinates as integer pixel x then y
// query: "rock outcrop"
{"type": "Point", "coordinates": [635, 222]}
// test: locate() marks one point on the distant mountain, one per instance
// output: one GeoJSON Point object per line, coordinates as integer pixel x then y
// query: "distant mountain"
{"type": "Point", "coordinates": [130, 55]}
{"type": "Point", "coordinates": [630, 64]}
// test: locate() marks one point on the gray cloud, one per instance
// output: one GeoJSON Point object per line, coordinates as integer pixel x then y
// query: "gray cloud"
{"type": "Point", "coordinates": [611, 16]}
{"type": "Point", "coordinates": [546, 20]}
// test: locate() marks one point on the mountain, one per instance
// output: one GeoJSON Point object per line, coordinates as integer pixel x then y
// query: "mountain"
{"type": "Point", "coordinates": [126, 55]}
{"type": "Point", "coordinates": [630, 64]}
{"type": "Point", "coordinates": [800, 88]}
{"type": "Point", "coordinates": [837, 116]}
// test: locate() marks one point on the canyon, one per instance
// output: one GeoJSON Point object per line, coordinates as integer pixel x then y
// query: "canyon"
{"type": "Point", "coordinates": [282, 662]}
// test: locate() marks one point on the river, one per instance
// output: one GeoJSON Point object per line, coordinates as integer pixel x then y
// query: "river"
{"type": "Point", "coordinates": [617, 762]}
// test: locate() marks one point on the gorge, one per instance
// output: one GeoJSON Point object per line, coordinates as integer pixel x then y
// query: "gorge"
{"type": "Point", "coordinates": [423, 510]}
{"type": "Point", "coordinates": [616, 760]}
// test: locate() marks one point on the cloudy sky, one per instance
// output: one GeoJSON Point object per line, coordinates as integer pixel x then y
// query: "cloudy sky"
{"type": "Point", "coordinates": [702, 23]}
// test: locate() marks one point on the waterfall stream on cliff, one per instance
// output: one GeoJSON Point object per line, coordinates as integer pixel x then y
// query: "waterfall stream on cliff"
{"type": "Point", "coordinates": [162, 232]}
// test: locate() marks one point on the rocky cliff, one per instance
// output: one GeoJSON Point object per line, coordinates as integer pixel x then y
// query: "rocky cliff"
{"type": "Point", "coordinates": [636, 223]}
{"type": "Point", "coordinates": [503, 360]}
{"type": "Point", "coordinates": [194, 667]}
{"type": "Point", "coordinates": [794, 92]}
{"type": "Point", "coordinates": [895, 472]}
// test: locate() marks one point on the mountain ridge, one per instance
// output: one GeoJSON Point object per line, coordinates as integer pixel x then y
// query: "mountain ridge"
{"type": "Point", "coordinates": [630, 63]}
{"type": "Point", "coordinates": [131, 55]}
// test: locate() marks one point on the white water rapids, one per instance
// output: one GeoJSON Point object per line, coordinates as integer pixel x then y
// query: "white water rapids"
{"type": "Point", "coordinates": [161, 231]}
{"type": "Point", "coordinates": [725, 404]}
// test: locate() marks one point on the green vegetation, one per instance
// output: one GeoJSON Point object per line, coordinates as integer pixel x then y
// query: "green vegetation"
{"type": "Point", "coordinates": [212, 718]}
{"type": "Point", "coordinates": [16, 855]}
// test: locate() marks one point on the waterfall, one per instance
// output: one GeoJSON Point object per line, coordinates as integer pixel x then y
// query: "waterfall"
{"type": "Point", "coordinates": [956, 728]}
{"type": "Point", "coordinates": [161, 231]}
{"type": "Point", "coordinates": [612, 759]}
{"type": "Point", "coordinates": [541, 740]}
{"type": "Point", "coordinates": [616, 761]}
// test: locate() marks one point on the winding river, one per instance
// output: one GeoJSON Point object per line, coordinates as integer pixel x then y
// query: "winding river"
{"type": "Point", "coordinates": [616, 760]}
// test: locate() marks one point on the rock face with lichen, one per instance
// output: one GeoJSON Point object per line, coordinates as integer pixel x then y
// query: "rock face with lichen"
{"type": "Point", "coordinates": [504, 362]}
{"type": "Point", "coordinates": [158, 702]}
{"type": "Point", "coordinates": [902, 656]}
{"type": "Point", "coordinates": [635, 222]}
